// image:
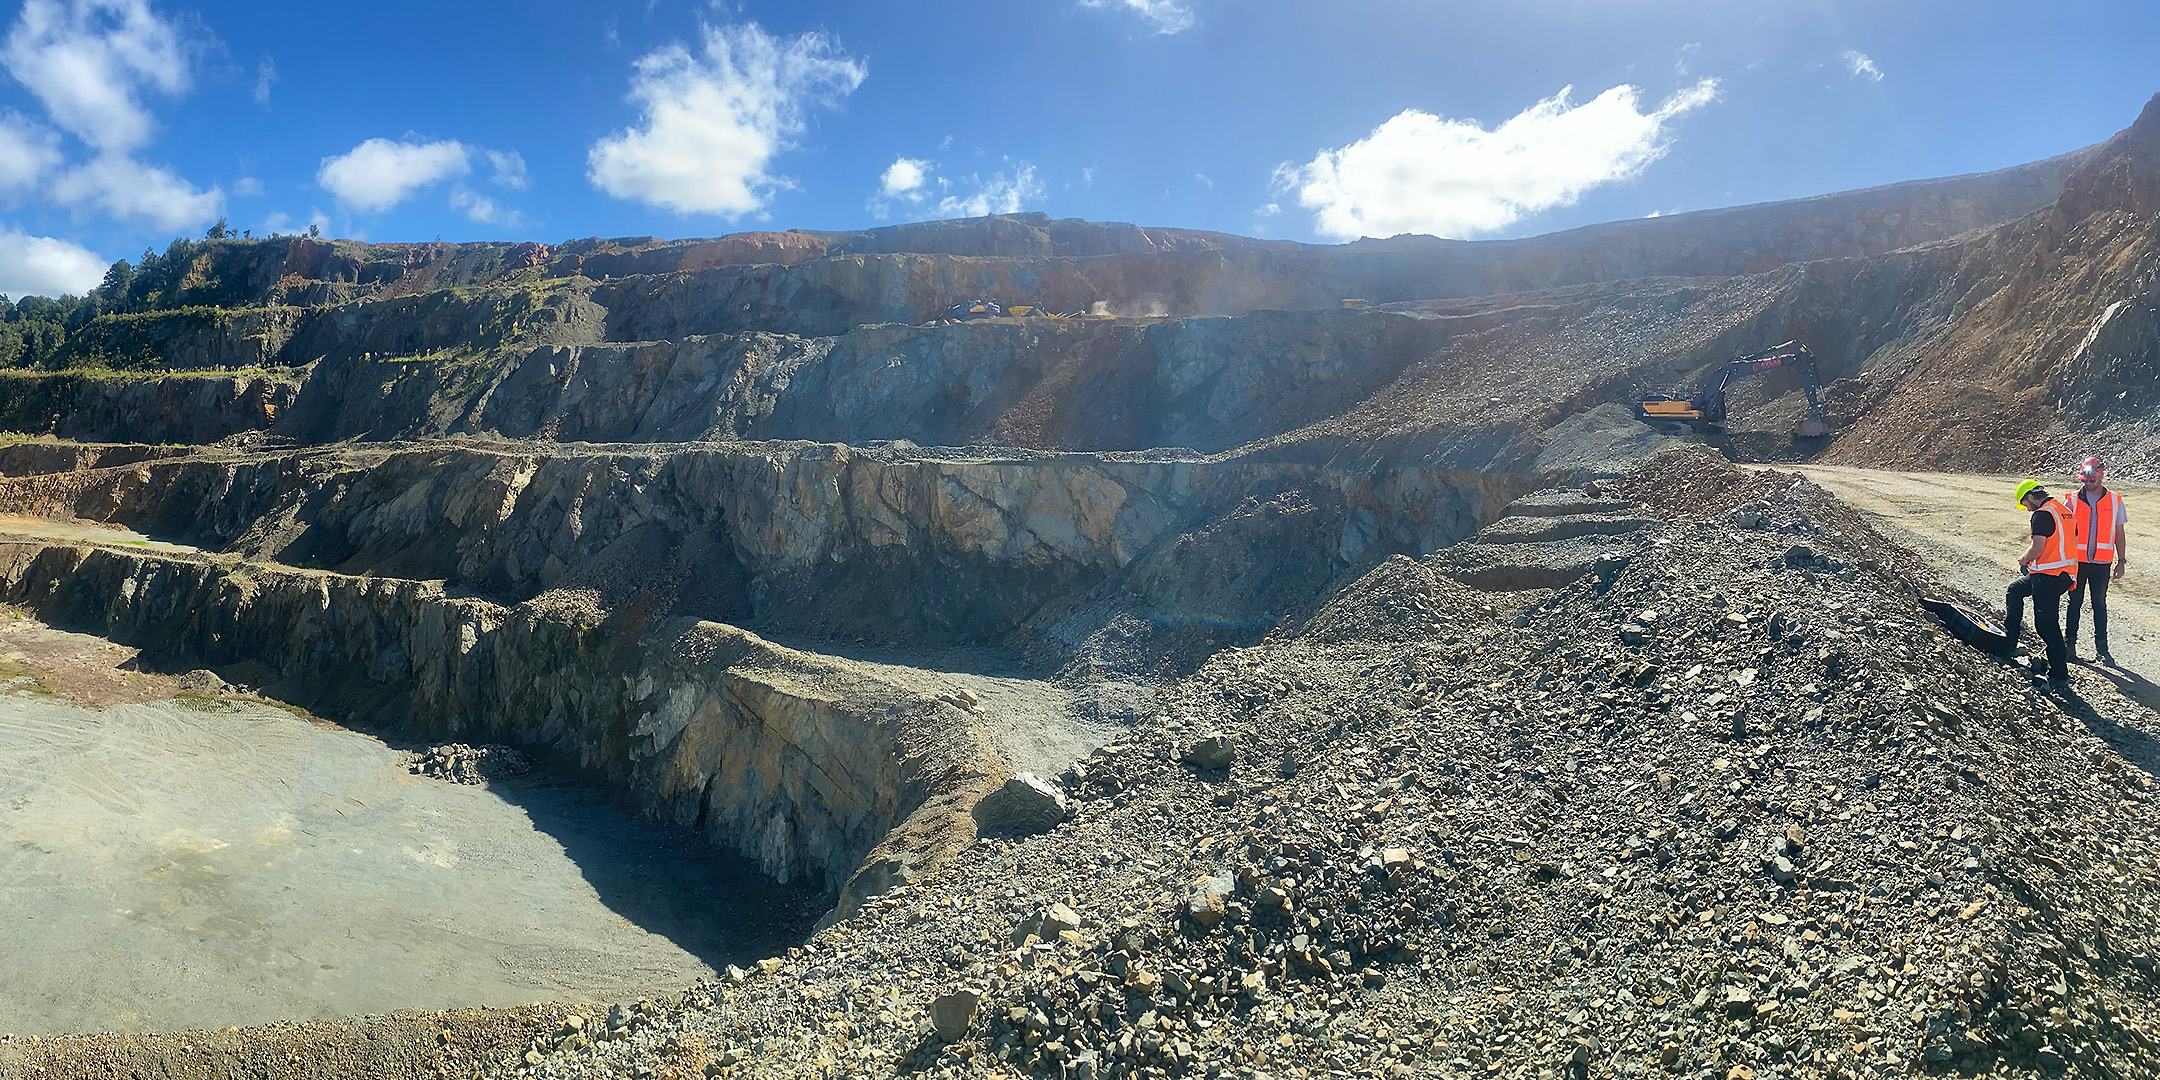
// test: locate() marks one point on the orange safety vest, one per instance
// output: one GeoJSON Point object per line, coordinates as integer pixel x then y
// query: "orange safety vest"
{"type": "Point", "coordinates": [2058, 553]}
{"type": "Point", "coordinates": [2096, 526]}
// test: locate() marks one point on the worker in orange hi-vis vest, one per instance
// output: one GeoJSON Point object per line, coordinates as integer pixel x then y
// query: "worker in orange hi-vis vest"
{"type": "Point", "coordinates": [2050, 568]}
{"type": "Point", "coordinates": [2099, 541]}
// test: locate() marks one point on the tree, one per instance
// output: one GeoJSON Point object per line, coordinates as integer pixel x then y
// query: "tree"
{"type": "Point", "coordinates": [113, 290]}
{"type": "Point", "coordinates": [313, 230]}
{"type": "Point", "coordinates": [218, 231]}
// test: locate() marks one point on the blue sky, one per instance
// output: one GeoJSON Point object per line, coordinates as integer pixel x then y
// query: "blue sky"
{"type": "Point", "coordinates": [124, 123]}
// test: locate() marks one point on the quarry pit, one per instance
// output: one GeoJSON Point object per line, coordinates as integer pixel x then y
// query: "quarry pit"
{"type": "Point", "coordinates": [1203, 687]}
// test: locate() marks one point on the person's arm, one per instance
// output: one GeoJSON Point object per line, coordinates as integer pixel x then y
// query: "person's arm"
{"type": "Point", "coordinates": [2032, 551]}
{"type": "Point", "coordinates": [2122, 540]}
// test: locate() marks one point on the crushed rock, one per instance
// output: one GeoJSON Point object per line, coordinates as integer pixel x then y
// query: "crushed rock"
{"type": "Point", "coordinates": [1787, 827]}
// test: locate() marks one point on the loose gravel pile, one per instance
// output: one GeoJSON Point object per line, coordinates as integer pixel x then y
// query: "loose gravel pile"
{"type": "Point", "coordinates": [1730, 807]}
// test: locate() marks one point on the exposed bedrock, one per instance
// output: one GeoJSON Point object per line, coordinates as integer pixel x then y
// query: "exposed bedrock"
{"type": "Point", "coordinates": [181, 408]}
{"type": "Point", "coordinates": [187, 339]}
{"type": "Point", "coordinates": [798, 761]}
{"type": "Point", "coordinates": [945, 546]}
{"type": "Point", "coordinates": [1207, 384]}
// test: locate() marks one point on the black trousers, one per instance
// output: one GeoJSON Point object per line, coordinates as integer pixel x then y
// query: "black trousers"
{"type": "Point", "coordinates": [2046, 591]}
{"type": "Point", "coordinates": [2092, 578]}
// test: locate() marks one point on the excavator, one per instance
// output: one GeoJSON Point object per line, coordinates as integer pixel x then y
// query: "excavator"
{"type": "Point", "coordinates": [1703, 412]}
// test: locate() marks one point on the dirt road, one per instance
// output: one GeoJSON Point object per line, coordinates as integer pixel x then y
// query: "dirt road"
{"type": "Point", "coordinates": [1968, 528]}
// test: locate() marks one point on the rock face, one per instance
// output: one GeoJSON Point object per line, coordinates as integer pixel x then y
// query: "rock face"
{"type": "Point", "coordinates": [2053, 354]}
{"type": "Point", "coordinates": [188, 339]}
{"type": "Point", "coordinates": [2115, 372]}
{"type": "Point", "coordinates": [827, 539]}
{"type": "Point", "coordinates": [176, 409]}
{"type": "Point", "coordinates": [573, 498]}
{"type": "Point", "coordinates": [696, 723]}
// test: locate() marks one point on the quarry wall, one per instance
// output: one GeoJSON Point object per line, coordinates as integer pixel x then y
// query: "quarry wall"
{"type": "Point", "coordinates": [797, 762]}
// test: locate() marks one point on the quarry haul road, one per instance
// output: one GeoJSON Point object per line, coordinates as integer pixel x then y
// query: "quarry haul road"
{"type": "Point", "coordinates": [1966, 527]}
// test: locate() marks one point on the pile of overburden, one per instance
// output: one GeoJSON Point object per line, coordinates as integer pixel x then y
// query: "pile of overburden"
{"type": "Point", "coordinates": [1730, 806]}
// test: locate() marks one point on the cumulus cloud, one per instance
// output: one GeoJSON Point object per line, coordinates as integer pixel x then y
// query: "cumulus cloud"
{"type": "Point", "coordinates": [1862, 66]}
{"type": "Point", "coordinates": [1166, 16]}
{"type": "Point", "coordinates": [1430, 174]}
{"type": "Point", "coordinates": [27, 153]}
{"type": "Point", "coordinates": [247, 186]}
{"type": "Point", "coordinates": [265, 76]}
{"type": "Point", "coordinates": [712, 123]}
{"type": "Point", "coordinates": [90, 61]}
{"type": "Point", "coordinates": [381, 173]}
{"type": "Point", "coordinates": [123, 187]}
{"type": "Point", "coordinates": [44, 266]}
{"type": "Point", "coordinates": [904, 178]}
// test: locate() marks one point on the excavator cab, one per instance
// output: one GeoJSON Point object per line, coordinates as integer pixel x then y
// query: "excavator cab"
{"type": "Point", "coordinates": [1703, 412]}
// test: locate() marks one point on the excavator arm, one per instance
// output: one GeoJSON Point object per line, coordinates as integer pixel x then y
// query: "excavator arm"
{"type": "Point", "coordinates": [1705, 409]}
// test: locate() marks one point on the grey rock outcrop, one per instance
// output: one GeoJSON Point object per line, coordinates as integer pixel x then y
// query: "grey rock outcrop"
{"type": "Point", "coordinates": [1024, 806]}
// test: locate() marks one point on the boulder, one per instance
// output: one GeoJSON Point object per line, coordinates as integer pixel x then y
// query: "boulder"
{"type": "Point", "coordinates": [1025, 806]}
{"type": "Point", "coordinates": [1211, 752]}
{"type": "Point", "coordinates": [952, 1012]}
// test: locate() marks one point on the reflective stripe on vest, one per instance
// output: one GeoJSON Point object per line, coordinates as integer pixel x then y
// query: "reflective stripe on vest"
{"type": "Point", "coordinates": [2096, 527]}
{"type": "Point", "coordinates": [2057, 554]}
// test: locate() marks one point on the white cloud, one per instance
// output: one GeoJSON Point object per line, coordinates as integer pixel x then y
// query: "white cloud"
{"type": "Point", "coordinates": [1862, 66]}
{"type": "Point", "coordinates": [89, 61]}
{"type": "Point", "coordinates": [44, 266]}
{"type": "Point", "coordinates": [1423, 173]}
{"type": "Point", "coordinates": [1686, 57]}
{"type": "Point", "coordinates": [474, 205]}
{"type": "Point", "coordinates": [509, 166]}
{"type": "Point", "coordinates": [379, 173]}
{"type": "Point", "coordinates": [1166, 16]}
{"type": "Point", "coordinates": [712, 124]}
{"type": "Point", "coordinates": [904, 178]}
{"type": "Point", "coordinates": [265, 75]}
{"type": "Point", "coordinates": [247, 186]}
{"type": "Point", "coordinates": [27, 153]}
{"type": "Point", "coordinates": [124, 187]}
{"type": "Point", "coordinates": [1002, 193]}
{"type": "Point", "coordinates": [1203, 179]}
{"type": "Point", "coordinates": [484, 210]}
{"type": "Point", "coordinates": [914, 186]}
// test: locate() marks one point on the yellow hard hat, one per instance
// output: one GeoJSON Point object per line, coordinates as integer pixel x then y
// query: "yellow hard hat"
{"type": "Point", "coordinates": [2023, 489]}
